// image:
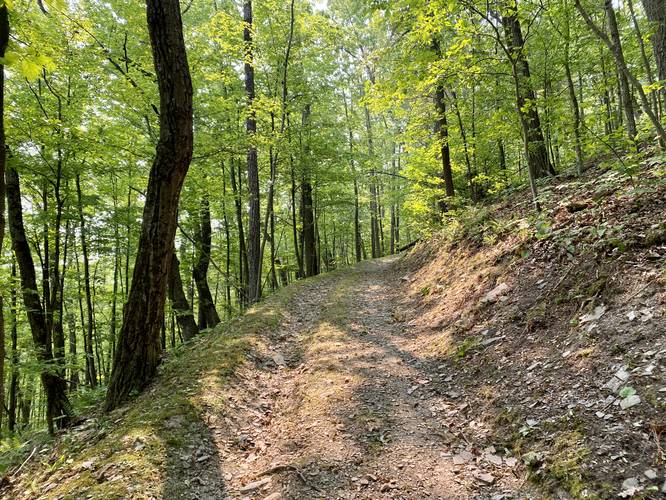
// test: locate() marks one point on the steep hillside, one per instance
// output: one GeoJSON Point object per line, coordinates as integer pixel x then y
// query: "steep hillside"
{"type": "Point", "coordinates": [515, 355]}
{"type": "Point", "coordinates": [550, 330]}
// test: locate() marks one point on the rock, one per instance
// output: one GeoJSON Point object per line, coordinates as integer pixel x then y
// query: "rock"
{"type": "Point", "coordinates": [511, 461]}
{"type": "Point", "coordinates": [255, 485]}
{"type": "Point", "coordinates": [650, 474]}
{"type": "Point", "coordinates": [598, 312]}
{"type": "Point", "coordinates": [646, 315]}
{"type": "Point", "coordinates": [621, 376]}
{"type": "Point", "coordinates": [484, 478]}
{"type": "Point", "coordinates": [274, 496]}
{"type": "Point", "coordinates": [88, 464]}
{"type": "Point", "coordinates": [630, 487]}
{"type": "Point", "coordinates": [629, 402]}
{"type": "Point", "coordinates": [462, 458]}
{"type": "Point", "coordinates": [494, 459]}
{"type": "Point", "coordinates": [489, 341]}
{"type": "Point", "coordinates": [496, 293]}
{"type": "Point", "coordinates": [278, 359]}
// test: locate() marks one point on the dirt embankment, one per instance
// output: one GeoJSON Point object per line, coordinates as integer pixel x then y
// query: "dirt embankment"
{"type": "Point", "coordinates": [554, 329]}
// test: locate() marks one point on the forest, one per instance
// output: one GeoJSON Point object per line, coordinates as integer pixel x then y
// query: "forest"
{"type": "Point", "coordinates": [166, 166]}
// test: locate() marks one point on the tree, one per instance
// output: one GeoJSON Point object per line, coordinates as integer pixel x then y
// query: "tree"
{"type": "Point", "coordinates": [254, 225]}
{"type": "Point", "coordinates": [655, 11]}
{"type": "Point", "coordinates": [4, 40]}
{"type": "Point", "coordinates": [625, 91]}
{"type": "Point", "coordinates": [442, 130]}
{"type": "Point", "coordinates": [208, 317]}
{"type": "Point", "coordinates": [181, 307]}
{"type": "Point", "coordinates": [535, 146]}
{"type": "Point", "coordinates": [616, 48]}
{"type": "Point", "coordinates": [139, 351]}
{"type": "Point", "coordinates": [58, 408]}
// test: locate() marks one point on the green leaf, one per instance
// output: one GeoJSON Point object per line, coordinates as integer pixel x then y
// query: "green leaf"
{"type": "Point", "coordinates": [30, 69]}
{"type": "Point", "coordinates": [627, 391]}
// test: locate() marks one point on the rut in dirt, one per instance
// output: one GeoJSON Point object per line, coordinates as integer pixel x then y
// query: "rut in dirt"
{"type": "Point", "coordinates": [350, 410]}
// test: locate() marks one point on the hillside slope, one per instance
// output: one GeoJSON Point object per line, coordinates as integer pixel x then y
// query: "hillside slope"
{"type": "Point", "coordinates": [514, 356]}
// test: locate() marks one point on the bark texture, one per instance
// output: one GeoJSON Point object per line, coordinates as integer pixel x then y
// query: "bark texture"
{"type": "Point", "coordinates": [139, 351]}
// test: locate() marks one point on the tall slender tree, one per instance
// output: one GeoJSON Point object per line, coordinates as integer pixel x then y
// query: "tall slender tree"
{"type": "Point", "coordinates": [254, 223]}
{"type": "Point", "coordinates": [4, 40]}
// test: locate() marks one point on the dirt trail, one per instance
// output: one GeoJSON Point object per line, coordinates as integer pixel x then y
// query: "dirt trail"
{"type": "Point", "coordinates": [346, 409]}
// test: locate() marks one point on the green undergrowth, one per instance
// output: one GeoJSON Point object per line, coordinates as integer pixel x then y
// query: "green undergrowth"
{"type": "Point", "coordinates": [134, 449]}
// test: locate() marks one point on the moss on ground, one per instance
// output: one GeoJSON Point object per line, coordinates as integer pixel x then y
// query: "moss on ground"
{"type": "Point", "coordinates": [133, 449]}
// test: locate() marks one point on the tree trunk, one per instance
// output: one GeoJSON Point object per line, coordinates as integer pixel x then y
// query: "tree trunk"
{"type": "Point", "coordinates": [374, 204]}
{"type": "Point", "coordinates": [655, 10]}
{"type": "Point", "coordinates": [74, 371]}
{"type": "Point", "coordinates": [625, 90]}
{"type": "Point", "coordinates": [307, 206]}
{"type": "Point", "coordinates": [294, 225]}
{"type": "Point", "coordinates": [573, 98]}
{"type": "Point", "coordinates": [58, 408]}
{"type": "Point", "coordinates": [622, 66]}
{"type": "Point", "coordinates": [91, 372]}
{"type": "Point", "coordinates": [537, 155]}
{"type": "Point", "coordinates": [576, 115]}
{"type": "Point", "coordinates": [463, 136]}
{"type": "Point", "coordinates": [442, 133]}
{"type": "Point", "coordinates": [179, 304]}
{"type": "Point", "coordinates": [14, 379]}
{"type": "Point", "coordinates": [4, 40]}
{"type": "Point", "coordinates": [242, 251]}
{"type": "Point", "coordinates": [227, 236]}
{"type": "Point", "coordinates": [644, 57]}
{"type": "Point", "coordinates": [254, 217]}
{"type": "Point", "coordinates": [357, 222]}
{"type": "Point", "coordinates": [208, 317]}
{"type": "Point", "coordinates": [139, 351]}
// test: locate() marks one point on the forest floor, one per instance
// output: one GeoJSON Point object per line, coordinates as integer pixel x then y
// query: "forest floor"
{"type": "Point", "coordinates": [518, 356]}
